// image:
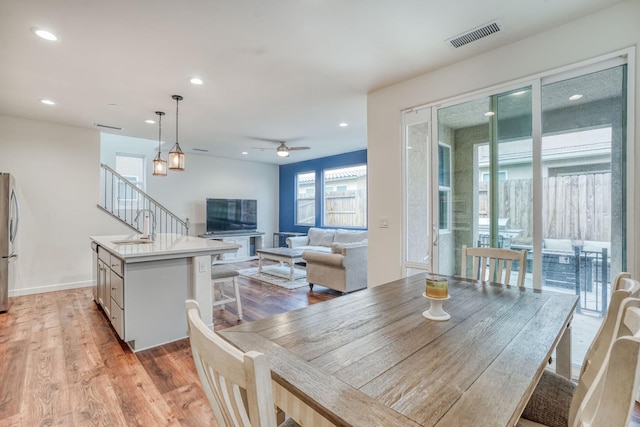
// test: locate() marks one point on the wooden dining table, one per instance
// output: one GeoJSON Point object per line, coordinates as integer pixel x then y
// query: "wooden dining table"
{"type": "Point", "coordinates": [371, 358]}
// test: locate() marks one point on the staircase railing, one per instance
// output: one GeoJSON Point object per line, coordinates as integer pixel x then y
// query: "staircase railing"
{"type": "Point", "coordinates": [123, 199]}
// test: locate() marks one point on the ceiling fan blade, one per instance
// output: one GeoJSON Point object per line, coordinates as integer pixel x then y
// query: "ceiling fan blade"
{"type": "Point", "coordinates": [263, 148]}
{"type": "Point", "coordinates": [299, 148]}
{"type": "Point", "coordinates": [275, 141]}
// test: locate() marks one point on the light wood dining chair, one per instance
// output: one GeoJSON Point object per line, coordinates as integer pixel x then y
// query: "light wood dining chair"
{"type": "Point", "coordinates": [238, 385]}
{"type": "Point", "coordinates": [498, 261]}
{"type": "Point", "coordinates": [609, 398]}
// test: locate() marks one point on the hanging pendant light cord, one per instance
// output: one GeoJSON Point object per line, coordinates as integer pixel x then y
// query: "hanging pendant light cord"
{"type": "Point", "coordinates": [159, 130]}
{"type": "Point", "coordinates": [177, 101]}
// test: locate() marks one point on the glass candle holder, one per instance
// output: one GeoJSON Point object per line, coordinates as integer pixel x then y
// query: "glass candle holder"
{"type": "Point", "coordinates": [436, 288]}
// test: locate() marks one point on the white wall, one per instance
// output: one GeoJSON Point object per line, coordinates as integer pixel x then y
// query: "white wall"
{"type": "Point", "coordinates": [57, 178]}
{"type": "Point", "coordinates": [610, 30]}
{"type": "Point", "coordinates": [184, 193]}
{"type": "Point", "coordinates": [56, 171]}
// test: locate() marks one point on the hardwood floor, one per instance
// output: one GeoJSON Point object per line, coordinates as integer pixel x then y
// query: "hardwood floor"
{"type": "Point", "coordinates": [62, 365]}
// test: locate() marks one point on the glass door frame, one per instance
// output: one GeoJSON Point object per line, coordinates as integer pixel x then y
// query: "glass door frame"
{"type": "Point", "coordinates": [625, 56]}
{"type": "Point", "coordinates": [411, 117]}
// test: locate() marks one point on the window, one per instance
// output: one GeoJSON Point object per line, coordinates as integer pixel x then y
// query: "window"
{"type": "Point", "coordinates": [131, 167]}
{"type": "Point", "coordinates": [125, 192]}
{"type": "Point", "coordinates": [345, 196]}
{"type": "Point", "coordinates": [306, 198]}
{"type": "Point", "coordinates": [444, 186]}
{"type": "Point", "coordinates": [502, 176]}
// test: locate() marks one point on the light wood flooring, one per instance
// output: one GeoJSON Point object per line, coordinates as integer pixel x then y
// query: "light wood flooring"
{"type": "Point", "coordinates": [61, 363]}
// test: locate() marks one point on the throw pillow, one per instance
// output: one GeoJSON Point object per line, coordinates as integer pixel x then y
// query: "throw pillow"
{"type": "Point", "coordinates": [347, 236]}
{"type": "Point", "coordinates": [320, 237]}
{"type": "Point", "coordinates": [336, 248]}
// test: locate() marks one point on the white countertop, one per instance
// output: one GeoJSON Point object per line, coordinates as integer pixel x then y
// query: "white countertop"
{"type": "Point", "coordinates": [163, 246]}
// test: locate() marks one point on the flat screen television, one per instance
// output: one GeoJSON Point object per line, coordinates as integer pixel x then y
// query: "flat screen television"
{"type": "Point", "coordinates": [231, 215]}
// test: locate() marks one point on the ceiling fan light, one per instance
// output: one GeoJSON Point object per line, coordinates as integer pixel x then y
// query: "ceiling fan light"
{"type": "Point", "coordinates": [282, 151]}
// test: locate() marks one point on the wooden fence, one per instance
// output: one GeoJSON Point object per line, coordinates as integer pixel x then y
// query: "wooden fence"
{"type": "Point", "coordinates": [345, 208]}
{"type": "Point", "coordinates": [574, 206]}
{"type": "Point", "coordinates": [341, 209]}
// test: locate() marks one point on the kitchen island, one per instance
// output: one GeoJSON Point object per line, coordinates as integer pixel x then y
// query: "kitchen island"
{"type": "Point", "coordinates": [142, 284]}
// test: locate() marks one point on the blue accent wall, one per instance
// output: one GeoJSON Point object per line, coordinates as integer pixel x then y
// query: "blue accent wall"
{"type": "Point", "coordinates": [288, 185]}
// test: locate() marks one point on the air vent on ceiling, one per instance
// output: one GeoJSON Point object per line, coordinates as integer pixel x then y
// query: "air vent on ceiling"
{"type": "Point", "coordinates": [475, 34]}
{"type": "Point", "coordinates": [201, 150]}
{"type": "Point", "coordinates": [98, 125]}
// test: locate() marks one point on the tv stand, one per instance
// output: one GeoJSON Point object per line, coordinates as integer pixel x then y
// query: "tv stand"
{"type": "Point", "coordinates": [248, 241]}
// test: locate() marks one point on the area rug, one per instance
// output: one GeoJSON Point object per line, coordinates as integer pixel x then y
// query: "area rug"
{"type": "Point", "coordinates": [299, 275]}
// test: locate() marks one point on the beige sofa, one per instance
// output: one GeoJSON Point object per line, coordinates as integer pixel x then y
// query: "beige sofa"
{"type": "Point", "coordinates": [335, 258]}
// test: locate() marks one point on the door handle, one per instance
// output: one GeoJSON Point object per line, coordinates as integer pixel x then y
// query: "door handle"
{"type": "Point", "coordinates": [435, 236]}
{"type": "Point", "coordinates": [13, 228]}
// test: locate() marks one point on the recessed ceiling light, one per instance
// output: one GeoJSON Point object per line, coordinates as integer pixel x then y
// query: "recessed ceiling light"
{"type": "Point", "coordinates": [343, 124]}
{"type": "Point", "coordinates": [151, 122]}
{"type": "Point", "coordinates": [45, 34]}
{"type": "Point", "coordinates": [196, 81]}
{"type": "Point", "coordinates": [245, 153]}
{"type": "Point", "coordinates": [575, 97]}
{"type": "Point", "coordinates": [47, 101]}
{"type": "Point", "coordinates": [489, 113]}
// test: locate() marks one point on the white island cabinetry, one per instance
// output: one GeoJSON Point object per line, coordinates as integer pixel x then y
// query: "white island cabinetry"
{"type": "Point", "coordinates": [142, 286]}
{"type": "Point", "coordinates": [110, 284]}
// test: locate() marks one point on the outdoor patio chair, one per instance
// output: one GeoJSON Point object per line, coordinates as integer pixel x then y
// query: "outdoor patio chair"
{"type": "Point", "coordinates": [499, 261]}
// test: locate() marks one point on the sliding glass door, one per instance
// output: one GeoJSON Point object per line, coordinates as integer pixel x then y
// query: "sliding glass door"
{"type": "Point", "coordinates": [583, 184]}
{"type": "Point", "coordinates": [540, 167]}
{"type": "Point", "coordinates": [485, 175]}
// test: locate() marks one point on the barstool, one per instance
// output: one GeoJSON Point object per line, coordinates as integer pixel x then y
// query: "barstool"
{"type": "Point", "coordinates": [219, 275]}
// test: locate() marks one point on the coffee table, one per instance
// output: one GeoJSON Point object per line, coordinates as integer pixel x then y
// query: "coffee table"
{"type": "Point", "coordinates": [283, 255]}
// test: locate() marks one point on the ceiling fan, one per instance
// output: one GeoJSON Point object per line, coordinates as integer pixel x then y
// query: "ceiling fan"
{"type": "Point", "coordinates": [282, 150]}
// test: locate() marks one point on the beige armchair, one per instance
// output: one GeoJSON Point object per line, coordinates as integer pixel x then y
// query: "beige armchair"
{"type": "Point", "coordinates": [344, 269]}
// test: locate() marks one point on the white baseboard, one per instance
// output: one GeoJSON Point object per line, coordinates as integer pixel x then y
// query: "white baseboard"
{"type": "Point", "coordinates": [50, 288]}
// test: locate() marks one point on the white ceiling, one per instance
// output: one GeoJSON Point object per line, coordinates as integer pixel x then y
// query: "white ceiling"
{"type": "Point", "coordinates": [287, 70]}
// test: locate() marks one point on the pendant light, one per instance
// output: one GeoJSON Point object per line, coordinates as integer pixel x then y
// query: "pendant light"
{"type": "Point", "coordinates": [176, 156]}
{"type": "Point", "coordinates": [159, 164]}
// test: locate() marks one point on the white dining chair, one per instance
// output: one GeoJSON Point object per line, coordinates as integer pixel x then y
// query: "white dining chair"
{"type": "Point", "coordinates": [610, 397]}
{"type": "Point", "coordinates": [238, 385]}
{"type": "Point", "coordinates": [498, 261]}
{"type": "Point", "coordinates": [624, 287]}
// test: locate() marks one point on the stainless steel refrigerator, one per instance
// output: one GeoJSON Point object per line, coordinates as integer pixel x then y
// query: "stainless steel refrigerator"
{"type": "Point", "coordinates": [9, 212]}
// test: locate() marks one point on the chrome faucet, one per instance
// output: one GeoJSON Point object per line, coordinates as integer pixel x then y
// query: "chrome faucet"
{"type": "Point", "coordinates": [145, 223]}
